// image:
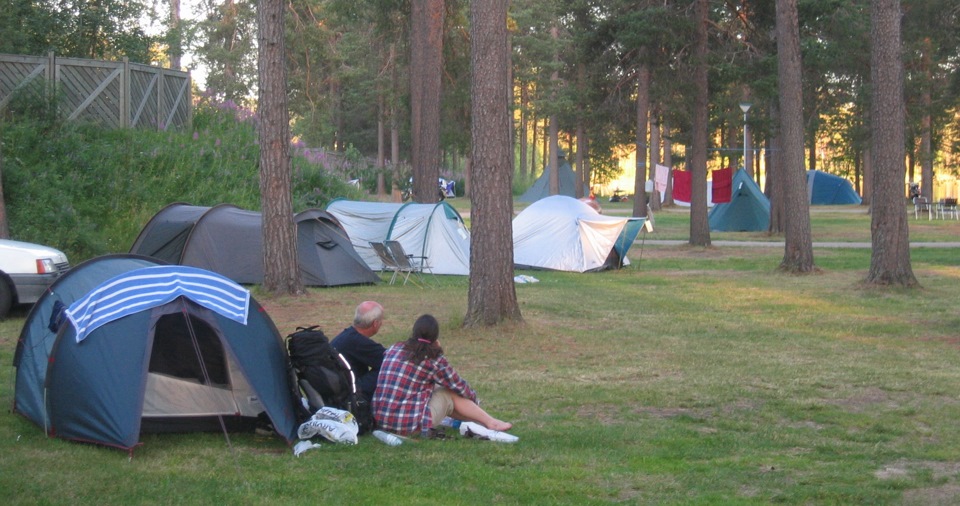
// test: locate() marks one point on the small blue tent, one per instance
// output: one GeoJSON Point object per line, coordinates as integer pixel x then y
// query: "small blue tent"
{"type": "Point", "coordinates": [121, 346]}
{"type": "Point", "coordinates": [827, 189]}
{"type": "Point", "coordinates": [747, 211]}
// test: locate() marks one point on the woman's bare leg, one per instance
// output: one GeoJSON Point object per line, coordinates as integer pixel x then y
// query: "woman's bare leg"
{"type": "Point", "coordinates": [466, 410]}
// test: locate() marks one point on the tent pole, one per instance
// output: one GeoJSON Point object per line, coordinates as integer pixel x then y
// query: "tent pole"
{"type": "Point", "coordinates": [203, 366]}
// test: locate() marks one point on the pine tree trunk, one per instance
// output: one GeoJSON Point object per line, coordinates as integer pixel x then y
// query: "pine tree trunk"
{"type": "Point", "coordinates": [554, 176]}
{"type": "Point", "coordinates": [524, 142]}
{"type": "Point", "coordinates": [548, 141]}
{"type": "Point", "coordinates": [699, 224]}
{"type": "Point", "coordinates": [926, 134]}
{"type": "Point", "coordinates": [890, 261]}
{"type": "Point", "coordinates": [281, 273]}
{"type": "Point", "coordinates": [643, 118]}
{"type": "Point", "coordinates": [654, 158]}
{"type": "Point", "coordinates": [381, 145]}
{"type": "Point", "coordinates": [798, 250]}
{"type": "Point", "coordinates": [585, 146]}
{"type": "Point", "coordinates": [773, 186]}
{"type": "Point", "coordinates": [492, 297]}
{"type": "Point", "coordinates": [426, 63]}
{"type": "Point", "coordinates": [668, 162]}
{"type": "Point", "coordinates": [578, 166]}
{"type": "Point", "coordinates": [175, 50]}
{"type": "Point", "coordinates": [867, 177]}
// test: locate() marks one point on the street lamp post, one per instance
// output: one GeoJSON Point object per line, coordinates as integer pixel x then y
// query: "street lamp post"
{"type": "Point", "coordinates": [745, 106]}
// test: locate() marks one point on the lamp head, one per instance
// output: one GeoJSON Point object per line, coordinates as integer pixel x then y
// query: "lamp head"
{"type": "Point", "coordinates": [745, 106]}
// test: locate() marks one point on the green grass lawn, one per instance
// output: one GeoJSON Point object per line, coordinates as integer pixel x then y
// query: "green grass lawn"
{"type": "Point", "coordinates": [693, 376]}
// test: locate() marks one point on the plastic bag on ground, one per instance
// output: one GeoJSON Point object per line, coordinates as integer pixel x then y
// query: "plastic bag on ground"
{"type": "Point", "coordinates": [330, 429]}
{"type": "Point", "coordinates": [303, 446]}
{"type": "Point", "coordinates": [332, 413]}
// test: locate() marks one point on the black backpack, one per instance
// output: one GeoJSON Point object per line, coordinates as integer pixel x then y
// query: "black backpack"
{"type": "Point", "coordinates": [325, 373]}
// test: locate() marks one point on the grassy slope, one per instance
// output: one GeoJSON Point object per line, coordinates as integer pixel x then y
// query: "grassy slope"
{"type": "Point", "coordinates": [695, 376]}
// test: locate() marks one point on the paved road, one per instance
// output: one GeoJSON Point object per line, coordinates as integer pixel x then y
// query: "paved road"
{"type": "Point", "coordinates": [780, 244]}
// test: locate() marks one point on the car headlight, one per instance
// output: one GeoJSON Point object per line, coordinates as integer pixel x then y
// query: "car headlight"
{"type": "Point", "coordinates": [46, 266]}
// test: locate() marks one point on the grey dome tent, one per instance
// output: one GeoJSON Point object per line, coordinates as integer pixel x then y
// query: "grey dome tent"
{"type": "Point", "coordinates": [320, 236]}
{"type": "Point", "coordinates": [541, 187]}
{"type": "Point", "coordinates": [121, 346]}
{"type": "Point", "coordinates": [747, 211]}
{"type": "Point", "coordinates": [824, 188]}
{"type": "Point", "coordinates": [229, 240]}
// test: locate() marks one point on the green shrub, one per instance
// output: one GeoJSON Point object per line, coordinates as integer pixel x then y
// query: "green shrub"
{"type": "Point", "coordinates": [89, 191]}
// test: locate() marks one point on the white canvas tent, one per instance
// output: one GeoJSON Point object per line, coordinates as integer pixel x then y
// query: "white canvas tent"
{"type": "Point", "coordinates": [433, 231]}
{"type": "Point", "coordinates": [565, 234]}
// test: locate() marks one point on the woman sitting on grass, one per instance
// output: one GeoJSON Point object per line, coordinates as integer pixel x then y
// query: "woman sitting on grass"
{"type": "Point", "coordinates": [417, 388]}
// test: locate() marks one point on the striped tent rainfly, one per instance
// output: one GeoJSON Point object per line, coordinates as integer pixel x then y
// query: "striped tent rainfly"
{"type": "Point", "coordinates": [150, 287]}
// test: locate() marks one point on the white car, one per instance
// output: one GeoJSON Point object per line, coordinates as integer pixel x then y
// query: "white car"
{"type": "Point", "coordinates": [26, 270]}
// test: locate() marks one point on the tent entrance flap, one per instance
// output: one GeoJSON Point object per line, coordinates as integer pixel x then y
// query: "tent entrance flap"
{"type": "Point", "coordinates": [191, 373]}
{"type": "Point", "coordinates": [180, 342]}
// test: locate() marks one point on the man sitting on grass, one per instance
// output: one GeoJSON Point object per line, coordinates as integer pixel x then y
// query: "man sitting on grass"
{"type": "Point", "coordinates": [363, 353]}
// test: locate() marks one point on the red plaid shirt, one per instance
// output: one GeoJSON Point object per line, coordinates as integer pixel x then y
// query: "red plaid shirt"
{"type": "Point", "coordinates": [400, 403]}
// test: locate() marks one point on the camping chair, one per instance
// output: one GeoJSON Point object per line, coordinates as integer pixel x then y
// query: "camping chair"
{"type": "Point", "coordinates": [922, 205]}
{"type": "Point", "coordinates": [947, 208]}
{"type": "Point", "coordinates": [407, 263]}
{"type": "Point", "coordinates": [389, 264]}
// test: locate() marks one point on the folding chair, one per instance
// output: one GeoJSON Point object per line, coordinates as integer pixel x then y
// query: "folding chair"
{"type": "Point", "coordinates": [407, 263]}
{"type": "Point", "coordinates": [922, 205]}
{"type": "Point", "coordinates": [947, 208]}
{"type": "Point", "coordinates": [389, 264]}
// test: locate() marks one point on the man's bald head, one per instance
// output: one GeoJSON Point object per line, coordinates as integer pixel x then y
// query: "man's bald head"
{"type": "Point", "coordinates": [368, 317]}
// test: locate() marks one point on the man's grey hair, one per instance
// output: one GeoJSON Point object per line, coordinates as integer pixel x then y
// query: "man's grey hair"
{"type": "Point", "coordinates": [367, 313]}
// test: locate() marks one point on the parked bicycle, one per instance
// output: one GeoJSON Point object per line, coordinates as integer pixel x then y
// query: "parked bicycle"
{"type": "Point", "coordinates": [406, 193]}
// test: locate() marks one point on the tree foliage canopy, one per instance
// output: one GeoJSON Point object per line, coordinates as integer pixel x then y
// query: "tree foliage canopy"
{"type": "Point", "coordinates": [349, 69]}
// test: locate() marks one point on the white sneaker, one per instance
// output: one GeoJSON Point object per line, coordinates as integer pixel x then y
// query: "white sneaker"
{"type": "Point", "coordinates": [475, 430]}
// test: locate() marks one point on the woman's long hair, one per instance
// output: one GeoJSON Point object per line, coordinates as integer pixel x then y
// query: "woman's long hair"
{"type": "Point", "coordinates": [422, 344]}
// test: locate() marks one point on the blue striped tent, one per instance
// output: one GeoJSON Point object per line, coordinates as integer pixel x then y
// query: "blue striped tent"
{"type": "Point", "coordinates": [151, 348]}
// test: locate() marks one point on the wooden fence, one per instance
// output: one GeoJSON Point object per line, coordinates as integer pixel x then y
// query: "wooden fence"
{"type": "Point", "coordinates": [111, 94]}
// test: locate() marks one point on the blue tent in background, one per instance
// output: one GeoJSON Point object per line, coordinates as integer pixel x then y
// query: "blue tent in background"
{"type": "Point", "coordinates": [747, 211]}
{"type": "Point", "coordinates": [827, 189]}
{"type": "Point", "coordinates": [541, 187]}
{"type": "Point", "coordinates": [121, 345]}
